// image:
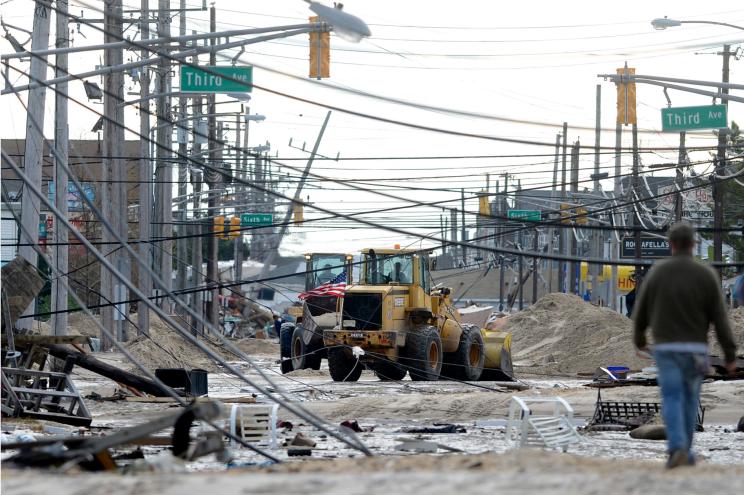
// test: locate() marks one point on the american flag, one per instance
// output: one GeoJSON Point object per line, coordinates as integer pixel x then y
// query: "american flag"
{"type": "Point", "coordinates": [336, 287]}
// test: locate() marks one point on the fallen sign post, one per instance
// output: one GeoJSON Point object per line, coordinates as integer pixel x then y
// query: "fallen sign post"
{"type": "Point", "coordinates": [215, 79]}
{"type": "Point", "coordinates": [677, 119]}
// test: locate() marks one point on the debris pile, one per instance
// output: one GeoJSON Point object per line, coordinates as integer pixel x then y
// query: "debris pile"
{"type": "Point", "coordinates": [166, 348]}
{"type": "Point", "coordinates": [562, 333]}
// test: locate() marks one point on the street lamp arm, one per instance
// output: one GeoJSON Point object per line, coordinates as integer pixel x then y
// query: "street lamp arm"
{"type": "Point", "coordinates": [662, 23]}
{"type": "Point", "coordinates": [715, 23]}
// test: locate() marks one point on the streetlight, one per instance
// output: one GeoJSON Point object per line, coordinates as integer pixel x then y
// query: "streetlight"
{"type": "Point", "coordinates": [664, 22]}
{"type": "Point", "coordinates": [718, 192]}
{"type": "Point", "coordinates": [346, 26]}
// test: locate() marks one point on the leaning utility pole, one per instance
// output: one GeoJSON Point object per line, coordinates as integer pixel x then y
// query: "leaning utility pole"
{"type": "Point", "coordinates": [61, 249]}
{"type": "Point", "coordinates": [617, 187]}
{"type": "Point", "coordinates": [719, 188]}
{"type": "Point", "coordinates": [213, 179]}
{"type": "Point", "coordinates": [30, 205]}
{"type": "Point", "coordinates": [593, 270]}
{"type": "Point", "coordinates": [145, 179]}
{"type": "Point", "coordinates": [114, 198]}
{"type": "Point", "coordinates": [164, 167]}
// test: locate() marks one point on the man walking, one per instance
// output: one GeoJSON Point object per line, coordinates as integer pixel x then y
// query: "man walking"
{"type": "Point", "coordinates": [679, 299]}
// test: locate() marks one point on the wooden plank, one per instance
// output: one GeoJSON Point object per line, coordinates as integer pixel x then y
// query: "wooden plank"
{"type": "Point", "coordinates": [26, 340]}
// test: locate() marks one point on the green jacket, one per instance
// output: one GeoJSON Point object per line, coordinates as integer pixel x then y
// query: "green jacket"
{"type": "Point", "coordinates": [679, 299]}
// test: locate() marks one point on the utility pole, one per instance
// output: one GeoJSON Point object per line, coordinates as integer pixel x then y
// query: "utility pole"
{"type": "Point", "coordinates": [637, 205]}
{"type": "Point", "coordinates": [61, 249]}
{"type": "Point", "coordinates": [719, 188]}
{"type": "Point", "coordinates": [164, 167]}
{"type": "Point", "coordinates": [501, 282]}
{"type": "Point", "coordinates": [34, 145]}
{"type": "Point", "coordinates": [464, 229]}
{"type": "Point", "coordinates": [453, 233]}
{"type": "Point", "coordinates": [535, 247]}
{"type": "Point", "coordinates": [575, 266]}
{"type": "Point", "coordinates": [679, 178]}
{"type": "Point", "coordinates": [237, 194]}
{"type": "Point", "coordinates": [114, 198]}
{"type": "Point", "coordinates": [145, 178]}
{"type": "Point", "coordinates": [562, 238]}
{"type": "Point", "coordinates": [553, 195]}
{"type": "Point", "coordinates": [197, 300]}
{"type": "Point", "coordinates": [595, 235]}
{"type": "Point", "coordinates": [213, 180]}
{"type": "Point", "coordinates": [183, 138]}
{"type": "Point", "coordinates": [614, 245]}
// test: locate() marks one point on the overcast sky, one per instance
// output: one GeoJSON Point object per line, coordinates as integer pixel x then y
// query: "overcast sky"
{"type": "Point", "coordinates": [532, 61]}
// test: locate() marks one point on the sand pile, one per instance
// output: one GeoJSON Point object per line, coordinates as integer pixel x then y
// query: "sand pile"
{"type": "Point", "coordinates": [737, 327]}
{"type": "Point", "coordinates": [563, 333]}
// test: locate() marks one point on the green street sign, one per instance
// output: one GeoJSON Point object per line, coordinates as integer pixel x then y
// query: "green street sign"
{"type": "Point", "coordinates": [677, 119]}
{"type": "Point", "coordinates": [217, 80]}
{"type": "Point", "coordinates": [256, 219]}
{"type": "Point", "coordinates": [527, 215]}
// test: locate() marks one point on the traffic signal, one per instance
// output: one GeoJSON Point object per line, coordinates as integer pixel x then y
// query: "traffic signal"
{"type": "Point", "coordinates": [484, 208]}
{"type": "Point", "coordinates": [234, 228]}
{"type": "Point", "coordinates": [626, 98]}
{"type": "Point", "coordinates": [219, 227]}
{"type": "Point", "coordinates": [320, 52]}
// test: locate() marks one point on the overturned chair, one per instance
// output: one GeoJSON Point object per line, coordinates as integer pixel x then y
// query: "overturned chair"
{"type": "Point", "coordinates": [553, 429]}
{"type": "Point", "coordinates": [255, 423]}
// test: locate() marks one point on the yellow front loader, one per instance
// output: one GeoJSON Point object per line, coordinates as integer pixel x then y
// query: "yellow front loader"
{"type": "Point", "coordinates": [394, 322]}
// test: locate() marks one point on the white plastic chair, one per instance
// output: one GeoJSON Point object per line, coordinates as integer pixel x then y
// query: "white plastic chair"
{"type": "Point", "coordinates": [256, 422]}
{"type": "Point", "coordinates": [553, 430]}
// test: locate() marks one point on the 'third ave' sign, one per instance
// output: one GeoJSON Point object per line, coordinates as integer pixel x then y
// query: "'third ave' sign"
{"type": "Point", "coordinates": [677, 119]}
{"type": "Point", "coordinates": [213, 79]}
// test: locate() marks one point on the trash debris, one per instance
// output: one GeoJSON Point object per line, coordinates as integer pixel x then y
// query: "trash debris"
{"type": "Point", "coordinates": [284, 424]}
{"type": "Point", "coordinates": [649, 432]}
{"type": "Point", "coordinates": [447, 428]}
{"type": "Point", "coordinates": [353, 425]}
{"type": "Point", "coordinates": [421, 446]}
{"type": "Point", "coordinates": [299, 452]}
{"type": "Point", "coordinates": [302, 440]}
{"type": "Point", "coordinates": [92, 453]}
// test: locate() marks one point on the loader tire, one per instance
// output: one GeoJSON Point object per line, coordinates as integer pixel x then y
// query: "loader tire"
{"type": "Point", "coordinates": [304, 356]}
{"type": "Point", "coordinates": [344, 367]}
{"type": "Point", "coordinates": [466, 363]}
{"type": "Point", "coordinates": [424, 354]}
{"type": "Point", "coordinates": [285, 347]}
{"type": "Point", "coordinates": [504, 373]}
{"type": "Point", "coordinates": [388, 371]}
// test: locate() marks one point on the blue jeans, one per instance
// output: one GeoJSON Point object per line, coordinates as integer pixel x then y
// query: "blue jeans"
{"type": "Point", "coordinates": [680, 376]}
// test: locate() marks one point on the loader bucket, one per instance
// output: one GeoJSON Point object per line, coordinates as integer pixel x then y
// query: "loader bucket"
{"type": "Point", "coordinates": [498, 364]}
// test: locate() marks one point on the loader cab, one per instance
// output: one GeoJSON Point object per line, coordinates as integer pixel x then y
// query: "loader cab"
{"type": "Point", "coordinates": [395, 267]}
{"type": "Point", "coordinates": [321, 268]}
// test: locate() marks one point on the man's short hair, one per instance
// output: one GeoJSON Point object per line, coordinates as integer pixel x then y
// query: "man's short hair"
{"type": "Point", "coordinates": [682, 235]}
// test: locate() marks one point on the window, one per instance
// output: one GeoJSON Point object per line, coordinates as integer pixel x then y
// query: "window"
{"type": "Point", "coordinates": [326, 267]}
{"type": "Point", "coordinates": [389, 269]}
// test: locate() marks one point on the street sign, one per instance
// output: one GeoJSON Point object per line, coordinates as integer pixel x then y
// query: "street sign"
{"type": "Point", "coordinates": [677, 119]}
{"type": "Point", "coordinates": [256, 219]}
{"type": "Point", "coordinates": [651, 247]}
{"type": "Point", "coordinates": [217, 80]}
{"type": "Point", "coordinates": [526, 215]}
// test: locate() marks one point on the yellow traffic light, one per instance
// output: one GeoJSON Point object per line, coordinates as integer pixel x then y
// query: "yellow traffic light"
{"type": "Point", "coordinates": [219, 226]}
{"type": "Point", "coordinates": [320, 52]}
{"type": "Point", "coordinates": [484, 208]}
{"type": "Point", "coordinates": [626, 99]}
{"type": "Point", "coordinates": [234, 228]}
